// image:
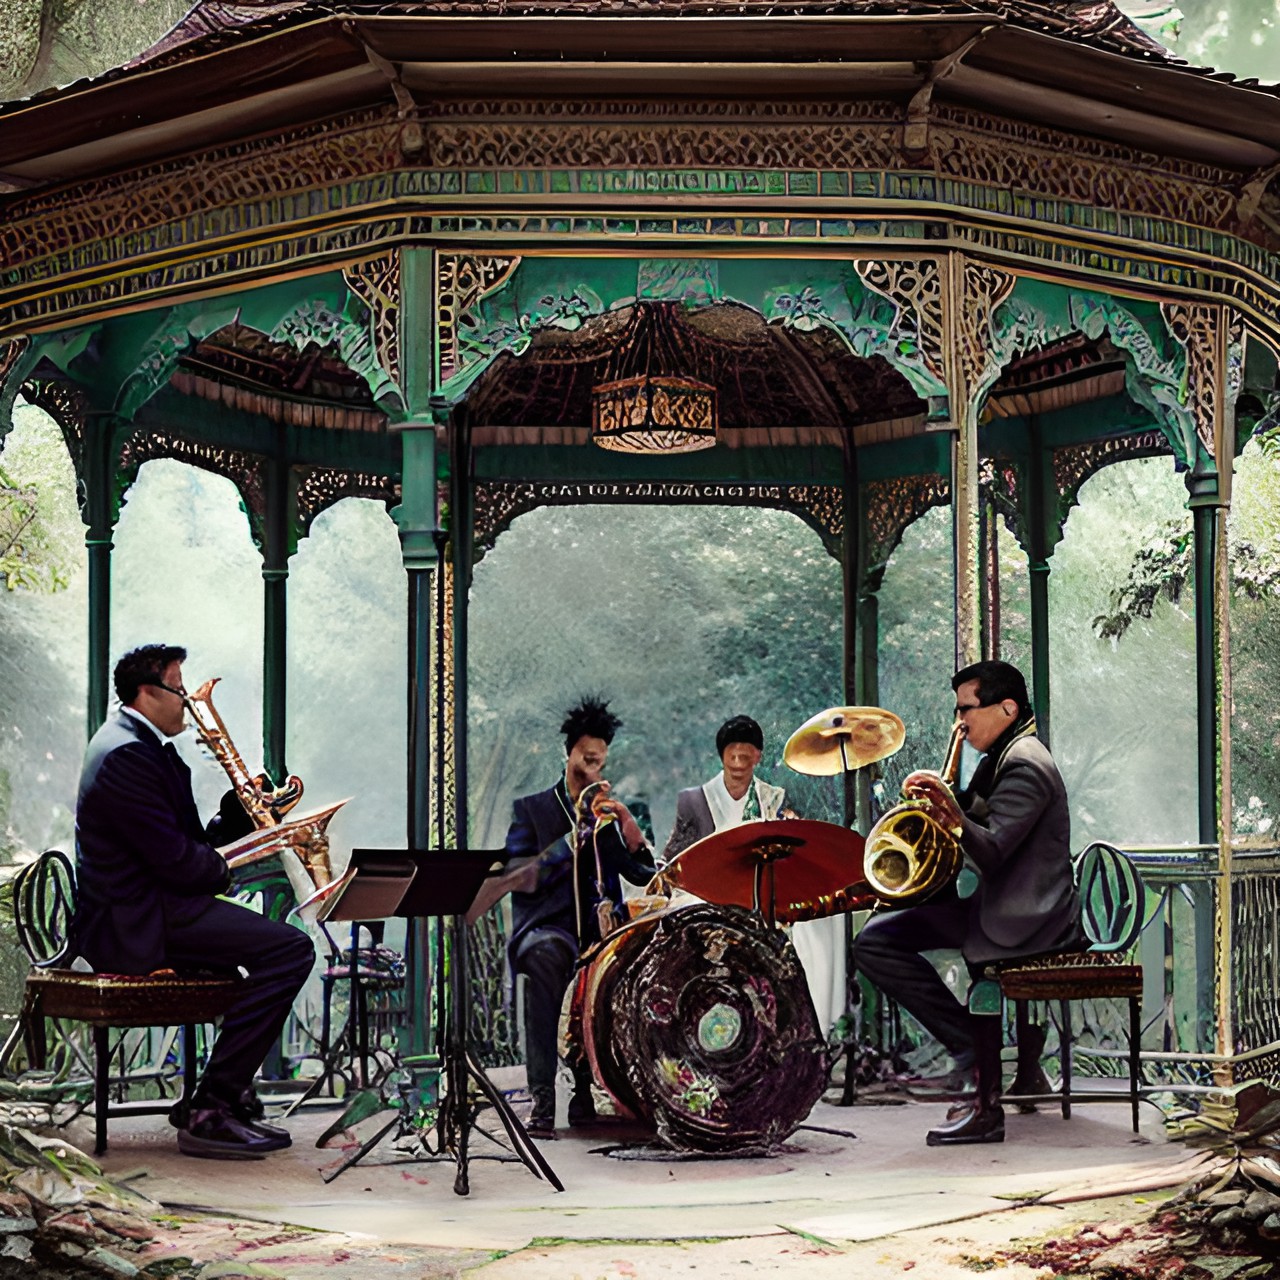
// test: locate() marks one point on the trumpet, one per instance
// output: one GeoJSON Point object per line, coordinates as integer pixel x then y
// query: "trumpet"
{"type": "Point", "coordinates": [909, 854]}
{"type": "Point", "coordinates": [265, 804]}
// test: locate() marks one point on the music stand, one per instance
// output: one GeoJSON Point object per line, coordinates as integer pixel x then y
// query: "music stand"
{"type": "Point", "coordinates": [444, 883]}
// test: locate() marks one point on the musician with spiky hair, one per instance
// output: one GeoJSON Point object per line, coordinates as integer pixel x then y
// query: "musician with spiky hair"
{"type": "Point", "coordinates": [554, 915]}
{"type": "Point", "coordinates": [148, 880]}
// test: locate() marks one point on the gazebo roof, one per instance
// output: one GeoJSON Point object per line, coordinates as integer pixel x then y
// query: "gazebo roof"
{"type": "Point", "coordinates": [230, 69]}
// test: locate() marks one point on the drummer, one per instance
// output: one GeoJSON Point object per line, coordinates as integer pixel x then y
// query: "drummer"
{"type": "Point", "coordinates": [734, 796]}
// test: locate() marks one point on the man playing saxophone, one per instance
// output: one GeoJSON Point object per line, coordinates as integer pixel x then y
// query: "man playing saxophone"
{"type": "Point", "coordinates": [148, 880]}
{"type": "Point", "coordinates": [1014, 829]}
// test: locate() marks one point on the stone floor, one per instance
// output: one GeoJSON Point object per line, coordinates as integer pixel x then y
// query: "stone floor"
{"type": "Point", "coordinates": [881, 1194]}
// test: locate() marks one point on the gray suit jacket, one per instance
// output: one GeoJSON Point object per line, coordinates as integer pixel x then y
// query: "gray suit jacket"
{"type": "Point", "coordinates": [1019, 838]}
{"type": "Point", "coordinates": [693, 821]}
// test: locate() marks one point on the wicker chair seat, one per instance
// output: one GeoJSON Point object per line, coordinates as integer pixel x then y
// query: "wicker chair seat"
{"type": "Point", "coordinates": [1081, 975]}
{"type": "Point", "coordinates": [127, 1000]}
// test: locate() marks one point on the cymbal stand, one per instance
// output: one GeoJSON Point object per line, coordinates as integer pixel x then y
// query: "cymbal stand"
{"type": "Point", "coordinates": [849, 1095]}
{"type": "Point", "coordinates": [764, 890]}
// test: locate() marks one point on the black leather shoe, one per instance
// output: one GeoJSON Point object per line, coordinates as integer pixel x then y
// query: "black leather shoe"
{"type": "Point", "coordinates": [976, 1124]}
{"type": "Point", "coordinates": [218, 1135]}
{"type": "Point", "coordinates": [248, 1109]}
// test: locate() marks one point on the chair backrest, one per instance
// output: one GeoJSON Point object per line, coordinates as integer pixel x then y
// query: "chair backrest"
{"type": "Point", "coordinates": [44, 899]}
{"type": "Point", "coordinates": [1112, 898]}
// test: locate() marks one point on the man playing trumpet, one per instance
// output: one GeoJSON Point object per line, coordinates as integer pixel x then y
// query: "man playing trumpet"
{"type": "Point", "coordinates": [1014, 828]}
{"type": "Point", "coordinates": [149, 877]}
{"type": "Point", "coordinates": [553, 907]}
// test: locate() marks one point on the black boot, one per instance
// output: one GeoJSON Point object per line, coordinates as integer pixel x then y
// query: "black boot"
{"type": "Point", "coordinates": [983, 1121]}
{"type": "Point", "coordinates": [1030, 1079]}
{"type": "Point", "coordinates": [542, 1119]}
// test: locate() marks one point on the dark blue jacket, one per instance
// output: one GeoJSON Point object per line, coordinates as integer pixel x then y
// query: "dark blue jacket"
{"type": "Point", "coordinates": [145, 862]}
{"type": "Point", "coordinates": [539, 825]}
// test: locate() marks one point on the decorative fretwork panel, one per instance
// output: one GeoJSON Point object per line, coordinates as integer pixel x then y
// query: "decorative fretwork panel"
{"type": "Point", "coordinates": [376, 282]}
{"type": "Point", "coordinates": [1255, 965]}
{"type": "Point", "coordinates": [498, 503]}
{"type": "Point", "coordinates": [914, 286]}
{"type": "Point", "coordinates": [321, 487]}
{"type": "Point", "coordinates": [68, 405]}
{"type": "Point", "coordinates": [1073, 464]}
{"type": "Point", "coordinates": [10, 353]}
{"type": "Point", "coordinates": [244, 470]}
{"type": "Point", "coordinates": [985, 288]}
{"type": "Point", "coordinates": [1012, 155]}
{"type": "Point", "coordinates": [462, 280]}
{"type": "Point", "coordinates": [893, 505]}
{"type": "Point", "coordinates": [1197, 326]}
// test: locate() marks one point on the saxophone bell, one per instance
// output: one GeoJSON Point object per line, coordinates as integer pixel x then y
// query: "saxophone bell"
{"type": "Point", "coordinates": [914, 850]}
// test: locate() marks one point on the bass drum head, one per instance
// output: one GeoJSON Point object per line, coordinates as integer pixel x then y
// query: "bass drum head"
{"type": "Point", "coordinates": [716, 1032]}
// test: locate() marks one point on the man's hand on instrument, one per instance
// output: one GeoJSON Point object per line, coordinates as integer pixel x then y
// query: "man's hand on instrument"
{"type": "Point", "coordinates": [929, 790]}
{"type": "Point", "coordinates": [606, 807]}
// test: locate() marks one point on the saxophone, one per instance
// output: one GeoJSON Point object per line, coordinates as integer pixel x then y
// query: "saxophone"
{"type": "Point", "coordinates": [266, 805]}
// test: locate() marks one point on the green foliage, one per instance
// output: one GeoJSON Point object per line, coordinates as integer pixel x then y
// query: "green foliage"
{"type": "Point", "coordinates": [33, 524]}
{"type": "Point", "coordinates": [1161, 567]}
{"type": "Point", "coordinates": [682, 616]}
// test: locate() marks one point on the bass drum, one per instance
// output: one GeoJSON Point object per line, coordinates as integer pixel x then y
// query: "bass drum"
{"type": "Point", "coordinates": [698, 1020]}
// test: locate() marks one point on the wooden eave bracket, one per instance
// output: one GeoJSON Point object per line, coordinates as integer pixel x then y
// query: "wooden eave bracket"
{"type": "Point", "coordinates": [915, 137]}
{"type": "Point", "coordinates": [1254, 193]}
{"type": "Point", "coordinates": [411, 136]}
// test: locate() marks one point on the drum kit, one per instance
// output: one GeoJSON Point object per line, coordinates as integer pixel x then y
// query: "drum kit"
{"type": "Point", "coordinates": [695, 1016]}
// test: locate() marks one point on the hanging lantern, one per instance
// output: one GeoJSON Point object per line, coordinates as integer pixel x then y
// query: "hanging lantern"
{"type": "Point", "coordinates": [644, 405]}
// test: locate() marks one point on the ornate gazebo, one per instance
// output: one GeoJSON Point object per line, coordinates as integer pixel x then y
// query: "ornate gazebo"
{"type": "Point", "coordinates": [924, 254]}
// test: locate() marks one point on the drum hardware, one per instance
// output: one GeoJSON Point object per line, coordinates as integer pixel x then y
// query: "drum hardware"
{"type": "Point", "coordinates": [774, 867]}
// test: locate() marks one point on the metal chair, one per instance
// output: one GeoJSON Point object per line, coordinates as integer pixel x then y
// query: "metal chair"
{"type": "Point", "coordinates": [43, 907]}
{"type": "Point", "coordinates": [1111, 901]}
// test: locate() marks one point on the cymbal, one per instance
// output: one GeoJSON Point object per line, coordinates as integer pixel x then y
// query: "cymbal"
{"type": "Point", "coordinates": [868, 734]}
{"type": "Point", "coordinates": [807, 860]}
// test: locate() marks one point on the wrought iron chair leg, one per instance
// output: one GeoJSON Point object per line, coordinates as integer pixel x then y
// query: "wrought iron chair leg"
{"type": "Point", "coordinates": [1064, 1056]}
{"type": "Point", "coordinates": [189, 1063]}
{"type": "Point", "coordinates": [101, 1074]}
{"type": "Point", "coordinates": [1135, 1057]}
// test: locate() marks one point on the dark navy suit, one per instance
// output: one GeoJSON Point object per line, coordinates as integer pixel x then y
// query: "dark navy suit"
{"type": "Point", "coordinates": [148, 878]}
{"type": "Point", "coordinates": [545, 938]}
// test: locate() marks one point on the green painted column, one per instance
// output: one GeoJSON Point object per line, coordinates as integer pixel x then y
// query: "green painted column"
{"type": "Point", "coordinates": [416, 521]}
{"type": "Point", "coordinates": [99, 479]}
{"type": "Point", "coordinates": [461, 542]}
{"type": "Point", "coordinates": [1202, 488]}
{"type": "Point", "coordinates": [276, 548]}
{"type": "Point", "coordinates": [1041, 495]}
{"type": "Point", "coordinates": [855, 784]}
